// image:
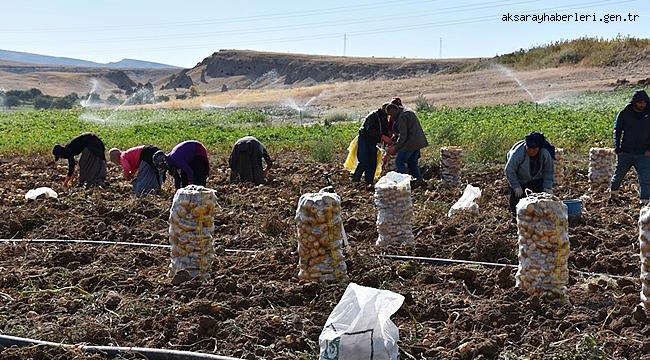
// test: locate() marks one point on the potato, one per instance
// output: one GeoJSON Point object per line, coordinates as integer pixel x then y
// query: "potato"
{"type": "Point", "coordinates": [450, 165]}
{"type": "Point", "coordinates": [319, 229]}
{"type": "Point", "coordinates": [543, 244]}
{"type": "Point", "coordinates": [601, 161]}
{"type": "Point", "coordinates": [644, 250]}
{"type": "Point", "coordinates": [190, 231]}
{"type": "Point", "coordinates": [394, 213]}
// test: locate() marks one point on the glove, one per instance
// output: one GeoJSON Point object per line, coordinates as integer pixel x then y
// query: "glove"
{"type": "Point", "coordinates": [549, 191]}
{"type": "Point", "coordinates": [386, 139]}
{"type": "Point", "coordinates": [519, 192]}
{"type": "Point", "coordinates": [392, 151]}
{"type": "Point", "coordinates": [66, 181]}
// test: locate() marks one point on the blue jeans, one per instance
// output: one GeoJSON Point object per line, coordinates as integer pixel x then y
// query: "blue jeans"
{"type": "Point", "coordinates": [410, 159]}
{"type": "Point", "coordinates": [641, 164]}
{"type": "Point", "coordinates": [367, 157]}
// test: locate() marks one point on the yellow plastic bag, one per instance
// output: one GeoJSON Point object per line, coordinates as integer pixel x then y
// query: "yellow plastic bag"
{"type": "Point", "coordinates": [351, 160]}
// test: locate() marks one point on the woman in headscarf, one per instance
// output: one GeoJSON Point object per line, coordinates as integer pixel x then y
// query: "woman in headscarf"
{"type": "Point", "coordinates": [187, 162]}
{"type": "Point", "coordinates": [529, 165]}
{"type": "Point", "coordinates": [92, 163]}
{"type": "Point", "coordinates": [139, 160]}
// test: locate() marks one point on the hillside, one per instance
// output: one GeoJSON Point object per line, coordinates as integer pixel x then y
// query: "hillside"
{"type": "Point", "coordinates": [583, 52]}
{"type": "Point", "coordinates": [241, 68]}
{"type": "Point", "coordinates": [29, 58]}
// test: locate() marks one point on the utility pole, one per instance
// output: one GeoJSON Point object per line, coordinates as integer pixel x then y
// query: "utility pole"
{"type": "Point", "coordinates": [440, 49]}
{"type": "Point", "coordinates": [345, 43]}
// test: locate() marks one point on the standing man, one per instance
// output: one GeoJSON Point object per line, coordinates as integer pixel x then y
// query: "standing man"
{"type": "Point", "coordinates": [139, 160]}
{"type": "Point", "coordinates": [187, 162]}
{"type": "Point", "coordinates": [529, 165]}
{"type": "Point", "coordinates": [373, 130]}
{"type": "Point", "coordinates": [246, 161]}
{"type": "Point", "coordinates": [632, 145]}
{"type": "Point", "coordinates": [92, 163]}
{"type": "Point", "coordinates": [410, 139]}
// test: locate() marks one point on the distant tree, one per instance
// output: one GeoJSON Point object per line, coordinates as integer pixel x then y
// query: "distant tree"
{"type": "Point", "coordinates": [73, 96]}
{"type": "Point", "coordinates": [181, 96]}
{"type": "Point", "coordinates": [16, 93]}
{"type": "Point", "coordinates": [42, 102]}
{"type": "Point", "coordinates": [12, 100]}
{"type": "Point", "coordinates": [34, 92]}
{"type": "Point", "coordinates": [162, 98]}
{"type": "Point", "coordinates": [62, 103]}
{"type": "Point", "coordinates": [113, 100]}
{"type": "Point", "coordinates": [94, 97]}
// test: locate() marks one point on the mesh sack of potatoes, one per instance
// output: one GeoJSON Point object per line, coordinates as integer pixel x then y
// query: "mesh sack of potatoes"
{"type": "Point", "coordinates": [542, 223]}
{"type": "Point", "coordinates": [558, 167]}
{"type": "Point", "coordinates": [394, 209]}
{"type": "Point", "coordinates": [321, 238]}
{"type": "Point", "coordinates": [601, 161]}
{"type": "Point", "coordinates": [451, 158]}
{"type": "Point", "coordinates": [644, 245]}
{"type": "Point", "coordinates": [190, 231]}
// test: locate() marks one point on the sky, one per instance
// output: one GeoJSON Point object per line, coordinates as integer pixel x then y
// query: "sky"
{"type": "Point", "coordinates": [183, 33]}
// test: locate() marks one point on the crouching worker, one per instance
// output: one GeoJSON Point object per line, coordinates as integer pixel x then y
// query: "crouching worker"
{"type": "Point", "coordinates": [529, 165]}
{"type": "Point", "coordinates": [187, 162]}
{"type": "Point", "coordinates": [92, 163]}
{"type": "Point", "coordinates": [372, 132]}
{"type": "Point", "coordinates": [138, 161]}
{"type": "Point", "coordinates": [246, 161]}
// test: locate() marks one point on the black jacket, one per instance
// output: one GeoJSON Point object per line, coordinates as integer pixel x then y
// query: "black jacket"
{"type": "Point", "coordinates": [374, 126]}
{"type": "Point", "coordinates": [253, 147]}
{"type": "Point", "coordinates": [147, 154]}
{"type": "Point", "coordinates": [632, 129]}
{"type": "Point", "coordinates": [88, 141]}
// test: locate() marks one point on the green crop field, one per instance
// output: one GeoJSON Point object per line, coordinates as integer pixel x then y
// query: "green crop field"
{"type": "Point", "coordinates": [575, 123]}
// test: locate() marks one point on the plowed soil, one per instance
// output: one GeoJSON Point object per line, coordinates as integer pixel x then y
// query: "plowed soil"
{"type": "Point", "coordinates": [254, 306]}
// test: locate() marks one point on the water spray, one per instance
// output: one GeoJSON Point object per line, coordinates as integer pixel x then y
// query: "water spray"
{"type": "Point", "coordinates": [510, 74]}
{"type": "Point", "coordinates": [93, 90]}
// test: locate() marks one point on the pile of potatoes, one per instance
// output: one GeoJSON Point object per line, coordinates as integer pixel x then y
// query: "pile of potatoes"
{"type": "Point", "coordinates": [558, 167]}
{"type": "Point", "coordinates": [451, 158]}
{"type": "Point", "coordinates": [394, 209]}
{"type": "Point", "coordinates": [601, 162]}
{"type": "Point", "coordinates": [644, 245]}
{"type": "Point", "coordinates": [542, 223]}
{"type": "Point", "coordinates": [321, 238]}
{"type": "Point", "coordinates": [190, 231]}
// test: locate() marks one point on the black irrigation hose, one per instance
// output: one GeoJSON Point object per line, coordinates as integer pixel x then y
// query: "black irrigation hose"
{"type": "Point", "coordinates": [149, 353]}
{"type": "Point", "coordinates": [428, 260]}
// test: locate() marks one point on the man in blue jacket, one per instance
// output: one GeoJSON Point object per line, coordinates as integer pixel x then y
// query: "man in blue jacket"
{"type": "Point", "coordinates": [529, 165]}
{"type": "Point", "coordinates": [632, 144]}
